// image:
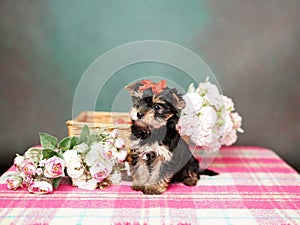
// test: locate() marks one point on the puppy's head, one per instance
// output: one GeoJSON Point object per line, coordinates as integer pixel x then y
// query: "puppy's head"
{"type": "Point", "coordinates": [153, 105]}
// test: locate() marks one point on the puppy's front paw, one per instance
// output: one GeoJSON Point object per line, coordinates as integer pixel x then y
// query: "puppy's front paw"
{"type": "Point", "coordinates": [154, 189]}
{"type": "Point", "coordinates": [138, 187]}
{"type": "Point", "coordinates": [191, 181]}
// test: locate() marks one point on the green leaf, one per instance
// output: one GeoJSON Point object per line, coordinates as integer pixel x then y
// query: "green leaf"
{"type": "Point", "coordinates": [59, 155]}
{"type": "Point", "coordinates": [48, 141]}
{"type": "Point", "coordinates": [36, 154]}
{"type": "Point", "coordinates": [65, 144]}
{"type": "Point", "coordinates": [56, 182]}
{"type": "Point", "coordinates": [48, 153]}
{"type": "Point", "coordinates": [84, 134]}
{"type": "Point", "coordinates": [74, 141]}
{"type": "Point", "coordinates": [93, 137]}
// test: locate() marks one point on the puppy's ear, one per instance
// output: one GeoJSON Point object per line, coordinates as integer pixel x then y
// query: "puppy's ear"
{"type": "Point", "coordinates": [132, 87]}
{"type": "Point", "coordinates": [133, 90]}
{"type": "Point", "coordinates": [178, 101]}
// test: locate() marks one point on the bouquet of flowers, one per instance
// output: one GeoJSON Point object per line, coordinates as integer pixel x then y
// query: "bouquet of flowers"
{"type": "Point", "coordinates": [209, 119]}
{"type": "Point", "coordinates": [90, 160]}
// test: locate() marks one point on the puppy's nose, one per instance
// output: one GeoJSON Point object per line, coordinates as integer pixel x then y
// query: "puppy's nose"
{"type": "Point", "coordinates": [140, 115]}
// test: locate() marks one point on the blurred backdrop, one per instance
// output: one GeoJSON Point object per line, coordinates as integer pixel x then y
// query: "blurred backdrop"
{"type": "Point", "coordinates": [253, 47]}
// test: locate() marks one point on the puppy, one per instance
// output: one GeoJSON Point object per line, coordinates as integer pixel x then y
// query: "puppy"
{"type": "Point", "coordinates": [158, 154]}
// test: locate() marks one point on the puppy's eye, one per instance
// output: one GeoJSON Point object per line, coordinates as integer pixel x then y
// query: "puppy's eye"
{"type": "Point", "coordinates": [156, 107]}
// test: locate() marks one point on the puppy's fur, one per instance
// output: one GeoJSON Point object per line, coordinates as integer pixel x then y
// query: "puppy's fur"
{"type": "Point", "coordinates": [158, 154]}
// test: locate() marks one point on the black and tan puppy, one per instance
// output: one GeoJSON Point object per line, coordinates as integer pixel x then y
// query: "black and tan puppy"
{"type": "Point", "coordinates": [158, 154]}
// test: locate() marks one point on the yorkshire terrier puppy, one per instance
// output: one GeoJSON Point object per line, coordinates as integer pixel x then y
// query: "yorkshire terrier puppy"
{"type": "Point", "coordinates": [158, 154]}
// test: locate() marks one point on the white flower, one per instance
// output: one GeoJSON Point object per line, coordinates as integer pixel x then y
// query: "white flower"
{"type": "Point", "coordinates": [187, 124]}
{"type": "Point", "coordinates": [84, 183]}
{"type": "Point", "coordinates": [230, 138]}
{"type": "Point", "coordinates": [71, 157]}
{"type": "Point", "coordinates": [77, 180]}
{"type": "Point", "coordinates": [210, 94]}
{"type": "Point", "coordinates": [13, 182]}
{"type": "Point", "coordinates": [18, 162]}
{"type": "Point", "coordinates": [228, 124]}
{"type": "Point", "coordinates": [75, 172]}
{"type": "Point", "coordinates": [193, 103]}
{"type": "Point", "coordinates": [119, 143]}
{"type": "Point", "coordinates": [208, 116]}
{"type": "Point", "coordinates": [40, 187]}
{"type": "Point", "coordinates": [228, 103]}
{"type": "Point", "coordinates": [94, 154]}
{"type": "Point", "coordinates": [207, 88]}
{"type": "Point", "coordinates": [237, 121]}
{"type": "Point", "coordinates": [107, 151]}
{"type": "Point", "coordinates": [100, 170]}
{"type": "Point", "coordinates": [87, 184]}
{"type": "Point", "coordinates": [54, 167]}
{"type": "Point", "coordinates": [120, 155]}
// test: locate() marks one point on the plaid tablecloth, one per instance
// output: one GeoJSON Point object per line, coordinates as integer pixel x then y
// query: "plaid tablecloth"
{"type": "Point", "coordinates": [255, 186]}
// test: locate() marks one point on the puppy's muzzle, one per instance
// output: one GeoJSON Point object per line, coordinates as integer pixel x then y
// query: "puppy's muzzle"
{"type": "Point", "coordinates": [139, 115]}
{"type": "Point", "coordinates": [135, 115]}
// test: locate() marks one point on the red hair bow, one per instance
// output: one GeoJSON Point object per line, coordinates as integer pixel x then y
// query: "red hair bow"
{"type": "Point", "coordinates": [157, 88]}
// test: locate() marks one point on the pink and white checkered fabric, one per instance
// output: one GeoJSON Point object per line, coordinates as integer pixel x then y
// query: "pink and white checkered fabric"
{"type": "Point", "coordinates": [255, 186]}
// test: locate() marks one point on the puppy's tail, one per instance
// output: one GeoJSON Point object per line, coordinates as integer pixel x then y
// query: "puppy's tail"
{"type": "Point", "coordinates": [208, 172]}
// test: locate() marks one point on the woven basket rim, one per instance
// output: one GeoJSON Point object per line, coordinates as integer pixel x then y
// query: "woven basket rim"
{"type": "Point", "coordinates": [77, 123]}
{"type": "Point", "coordinates": [78, 120]}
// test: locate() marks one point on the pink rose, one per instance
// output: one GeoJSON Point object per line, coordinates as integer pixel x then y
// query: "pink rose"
{"type": "Point", "coordinates": [29, 168]}
{"type": "Point", "coordinates": [18, 161]}
{"type": "Point", "coordinates": [99, 171]}
{"type": "Point", "coordinates": [14, 182]}
{"type": "Point", "coordinates": [100, 175]}
{"type": "Point", "coordinates": [40, 187]}
{"type": "Point", "coordinates": [54, 167]}
{"type": "Point", "coordinates": [106, 152]}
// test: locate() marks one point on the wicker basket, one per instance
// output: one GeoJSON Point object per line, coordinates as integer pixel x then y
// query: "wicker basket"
{"type": "Point", "coordinates": [95, 120]}
{"type": "Point", "coordinates": [109, 120]}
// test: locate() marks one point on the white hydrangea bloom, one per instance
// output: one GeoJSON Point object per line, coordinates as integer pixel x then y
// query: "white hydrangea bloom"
{"type": "Point", "coordinates": [187, 124]}
{"type": "Point", "coordinates": [208, 118]}
{"type": "Point", "coordinates": [194, 103]}
{"type": "Point", "coordinates": [237, 121]}
{"type": "Point", "coordinates": [228, 103]}
{"type": "Point", "coordinates": [207, 88]}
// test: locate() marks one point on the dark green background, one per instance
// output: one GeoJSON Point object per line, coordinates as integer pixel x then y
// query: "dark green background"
{"type": "Point", "coordinates": [252, 47]}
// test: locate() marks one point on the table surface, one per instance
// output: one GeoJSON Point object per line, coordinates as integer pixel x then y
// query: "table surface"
{"type": "Point", "coordinates": [255, 186]}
